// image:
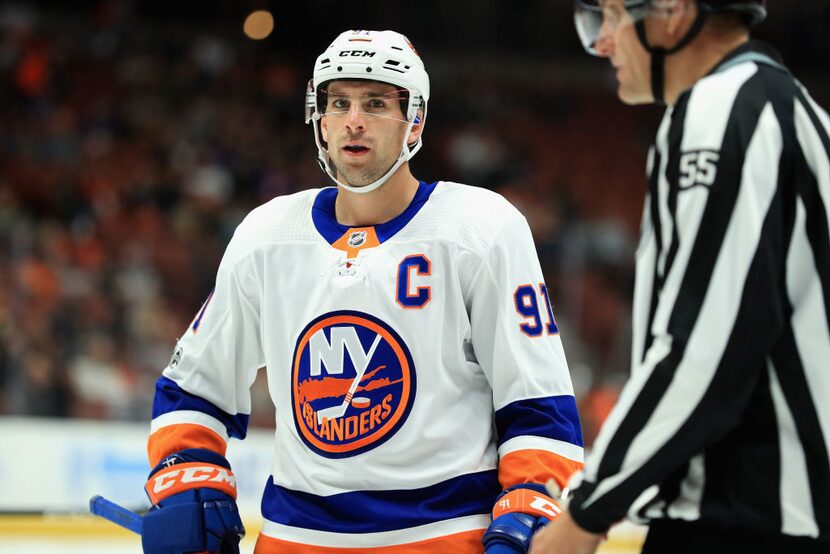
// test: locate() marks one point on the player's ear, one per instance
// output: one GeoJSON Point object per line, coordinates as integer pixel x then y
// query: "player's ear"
{"type": "Point", "coordinates": [324, 129]}
{"type": "Point", "coordinates": [417, 128]}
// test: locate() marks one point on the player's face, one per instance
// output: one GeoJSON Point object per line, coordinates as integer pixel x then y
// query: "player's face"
{"type": "Point", "coordinates": [364, 127]}
{"type": "Point", "coordinates": [619, 43]}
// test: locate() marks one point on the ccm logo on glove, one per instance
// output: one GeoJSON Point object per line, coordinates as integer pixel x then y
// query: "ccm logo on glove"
{"type": "Point", "coordinates": [528, 502]}
{"type": "Point", "coordinates": [182, 477]}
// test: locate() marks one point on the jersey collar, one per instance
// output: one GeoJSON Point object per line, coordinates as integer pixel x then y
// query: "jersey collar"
{"type": "Point", "coordinates": [338, 235]}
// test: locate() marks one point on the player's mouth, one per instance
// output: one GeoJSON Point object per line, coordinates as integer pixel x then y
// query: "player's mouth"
{"type": "Point", "coordinates": [355, 149]}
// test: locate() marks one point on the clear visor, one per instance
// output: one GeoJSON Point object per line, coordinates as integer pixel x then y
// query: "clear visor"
{"type": "Point", "coordinates": [595, 17]}
{"type": "Point", "coordinates": [390, 105]}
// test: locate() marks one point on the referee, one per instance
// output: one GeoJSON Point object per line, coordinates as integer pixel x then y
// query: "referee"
{"type": "Point", "coordinates": [719, 440]}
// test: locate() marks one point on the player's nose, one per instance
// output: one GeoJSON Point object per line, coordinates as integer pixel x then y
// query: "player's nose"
{"type": "Point", "coordinates": [355, 118]}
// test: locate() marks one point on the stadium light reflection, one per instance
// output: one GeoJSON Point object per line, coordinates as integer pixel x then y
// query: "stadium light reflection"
{"type": "Point", "coordinates": [258, 25]}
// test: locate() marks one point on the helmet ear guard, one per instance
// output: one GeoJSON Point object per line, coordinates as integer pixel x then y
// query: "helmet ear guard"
{"type": "Point", "coordinates": [381, 56]}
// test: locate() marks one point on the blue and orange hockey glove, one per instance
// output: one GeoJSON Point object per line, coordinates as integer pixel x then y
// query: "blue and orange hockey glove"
{"type": "Point", "coordinates": [519, 512]}
{"type": "Point", "coordinates": [194, 506]}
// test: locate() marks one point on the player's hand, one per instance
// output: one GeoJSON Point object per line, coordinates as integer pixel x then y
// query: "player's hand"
{"type": "Point", "coordinates": [194, 506]}
{"type": "Point", "coordinates": [519, 513]}
{"type": "Point", "coordinates": [564, 536]}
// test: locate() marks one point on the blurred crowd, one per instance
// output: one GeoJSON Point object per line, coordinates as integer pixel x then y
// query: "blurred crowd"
{"type": "Point", "coordinates": [129, 151]}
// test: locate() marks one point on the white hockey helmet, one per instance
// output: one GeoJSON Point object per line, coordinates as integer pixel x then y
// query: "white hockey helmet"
{"type": "Point", "coordinates": [382, 56]}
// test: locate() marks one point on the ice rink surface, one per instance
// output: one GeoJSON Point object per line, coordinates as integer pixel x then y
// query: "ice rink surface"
{"type": "Point", "coordinates": [79, 534]}
{"type": "Point", "coordinates": [88, 535]}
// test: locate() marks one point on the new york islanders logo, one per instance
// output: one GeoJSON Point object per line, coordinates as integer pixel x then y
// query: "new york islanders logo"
{"type": "Point", "coordinates": [352, 383]}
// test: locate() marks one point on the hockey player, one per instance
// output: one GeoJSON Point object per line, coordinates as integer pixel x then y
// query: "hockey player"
{"type": "Point", "coordinates": [720, 440]}
{"type": "Point", "coordinates": [421, 390]}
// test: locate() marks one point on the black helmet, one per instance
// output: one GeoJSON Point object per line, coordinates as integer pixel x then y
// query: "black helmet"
{"type": "Point", "coordinates": [751, 11]}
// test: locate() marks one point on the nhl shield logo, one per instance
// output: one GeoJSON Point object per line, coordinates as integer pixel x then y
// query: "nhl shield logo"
{"type": "Point", "coordinates": [353, 383]}
{"type": "Point", "coordinates": [357, 239]}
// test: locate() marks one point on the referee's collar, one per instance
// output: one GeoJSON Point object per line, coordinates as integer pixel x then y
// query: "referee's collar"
{"type": "Point", "coordinates": [752, 46]}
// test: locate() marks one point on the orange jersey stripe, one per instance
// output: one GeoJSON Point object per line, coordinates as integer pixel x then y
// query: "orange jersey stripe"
{"type": "Point", "coordinates": [535, 466]}
{"type": "Point", "coordinates": [468, 542]}
{"type": "Point", "coordinates": [175, 438]}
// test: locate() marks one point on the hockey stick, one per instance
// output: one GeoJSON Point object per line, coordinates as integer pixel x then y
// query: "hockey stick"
{"type": "Point", "coordinates": [111, 511]}
{"type": "Point", "coordinates": [333, 412]}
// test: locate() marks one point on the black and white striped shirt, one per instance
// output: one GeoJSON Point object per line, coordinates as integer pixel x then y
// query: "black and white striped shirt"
{"type": "Point", "coordinates": [726, 416]}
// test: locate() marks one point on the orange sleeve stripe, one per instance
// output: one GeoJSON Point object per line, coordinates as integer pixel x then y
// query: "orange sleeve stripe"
{"type": "Point", "coordinates": [174, 438]}
{"type": "Point", "coordinates": [535, 466]}
{"type": "Point", "coordinates": [468, 542]}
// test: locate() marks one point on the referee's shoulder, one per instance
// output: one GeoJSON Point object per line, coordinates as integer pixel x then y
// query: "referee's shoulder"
{"type": "Point", "coordinates": [747, 84]}
{"type": "Point", "coordinates": [730, 102]}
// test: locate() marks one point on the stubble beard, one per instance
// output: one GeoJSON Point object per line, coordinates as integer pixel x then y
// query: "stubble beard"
{"type": "Point", "coordinates": [361, 177]}
{"type": "Point", "coordinates": [357, 178]}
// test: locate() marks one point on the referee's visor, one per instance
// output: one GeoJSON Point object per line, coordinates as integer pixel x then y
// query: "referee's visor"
{"type": "Point", "coordinates": [591, 15]}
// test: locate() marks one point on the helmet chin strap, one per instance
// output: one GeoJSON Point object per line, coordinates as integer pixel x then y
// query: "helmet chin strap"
{"type": "Point", "coordinates": [658, 53]}
{"type": "Point", "coordinates": [405, 155]}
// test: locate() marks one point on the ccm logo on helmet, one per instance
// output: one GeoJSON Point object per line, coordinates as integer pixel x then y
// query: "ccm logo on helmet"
{"type": "Point", "coordinates": [353, 383]}
{"type": "Point", "coordinates": [357, 53]}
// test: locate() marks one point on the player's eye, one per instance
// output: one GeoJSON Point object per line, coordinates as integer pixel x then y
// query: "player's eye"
{"type": "Point", "coordinates": [339, 104]}
{"type": "Point", "coordinates": [376, 103]}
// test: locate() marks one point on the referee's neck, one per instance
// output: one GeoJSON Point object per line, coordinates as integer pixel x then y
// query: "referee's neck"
{"type": "Point", "coordinates": [699, 57]}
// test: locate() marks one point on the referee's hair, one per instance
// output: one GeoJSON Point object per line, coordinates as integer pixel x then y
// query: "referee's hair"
{"type": "Point", "coordinates": [728, 22]}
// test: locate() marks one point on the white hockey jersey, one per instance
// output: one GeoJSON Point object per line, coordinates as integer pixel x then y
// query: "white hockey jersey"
{"type": "Point", "coordinates": [415, 366]}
